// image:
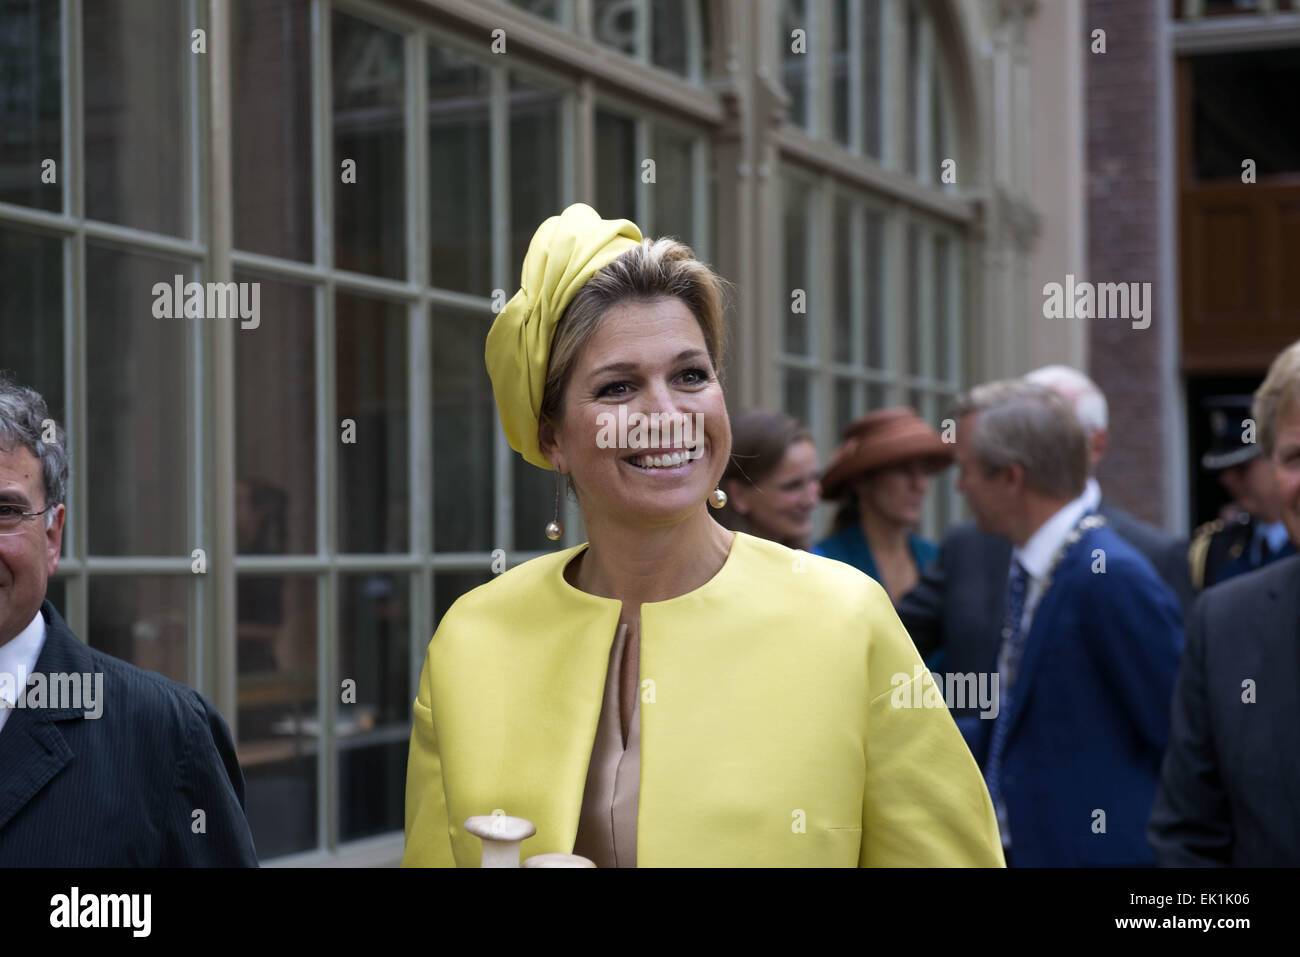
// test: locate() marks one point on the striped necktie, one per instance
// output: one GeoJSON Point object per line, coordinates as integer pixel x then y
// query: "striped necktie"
{"type": "Point", "coordinates": [1013, 640]}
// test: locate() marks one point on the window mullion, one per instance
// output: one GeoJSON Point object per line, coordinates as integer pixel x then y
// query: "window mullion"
{"type": "Point", "coordinates": [924, 72]}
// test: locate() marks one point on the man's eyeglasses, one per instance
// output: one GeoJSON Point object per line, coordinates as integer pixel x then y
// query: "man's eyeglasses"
{"type": "Point", "coordinates": [13, 516]}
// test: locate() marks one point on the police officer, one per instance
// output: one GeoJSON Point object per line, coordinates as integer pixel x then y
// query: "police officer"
{"type": "Point", "coordinates": [1251, 535]}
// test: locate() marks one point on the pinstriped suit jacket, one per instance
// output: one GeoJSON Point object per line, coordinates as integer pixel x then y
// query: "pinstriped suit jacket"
{"type": "Point", "coordinates": [119, 790]}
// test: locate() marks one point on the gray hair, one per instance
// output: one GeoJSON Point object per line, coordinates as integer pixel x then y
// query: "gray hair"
{"type": "Point", "coordinates": [24, 417]}
{"type": "Point", "coordinates": [1279, 392]}
{"type": "Point", "coordinates": [1021, 423]}
{"type": "Point", "coordinates": [1081, 392]}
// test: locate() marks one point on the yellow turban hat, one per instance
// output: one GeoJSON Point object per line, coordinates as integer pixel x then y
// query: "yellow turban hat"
{"type": "Point", "coordinates": [565, 252]}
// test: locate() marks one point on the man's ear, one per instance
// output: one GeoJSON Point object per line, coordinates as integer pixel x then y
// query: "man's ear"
{"type": "Point", "coordinates": [1098, 443]}
{"type": "Point", "coordinates": [54, 539]}
{"type": "Point", "coordinates": [1015, 477]}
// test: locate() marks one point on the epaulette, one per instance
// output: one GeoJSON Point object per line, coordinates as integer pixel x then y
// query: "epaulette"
{"type": "Point", "coordinates": [1199, 550]}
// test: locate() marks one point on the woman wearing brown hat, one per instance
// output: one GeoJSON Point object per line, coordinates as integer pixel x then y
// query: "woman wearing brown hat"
{"type": "Point", "coordinates": [882, 470]}
{"type": "Point", "coordinates": [669, 693]}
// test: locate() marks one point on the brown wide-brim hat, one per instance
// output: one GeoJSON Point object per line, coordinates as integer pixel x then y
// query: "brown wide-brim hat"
{"type": "Point", "coordinates": [880, 439]}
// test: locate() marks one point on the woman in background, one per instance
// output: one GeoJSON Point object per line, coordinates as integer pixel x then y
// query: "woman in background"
{"type": "Point", "coordinates": [882, 471]}
{"type": "Point", "coordinates": [771, 478]}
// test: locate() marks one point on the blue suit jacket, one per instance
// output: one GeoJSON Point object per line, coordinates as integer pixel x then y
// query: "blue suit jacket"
{"type": "Point", "coordinates": [119, 790]}
{"type": "Point", "coordinates": [1090, 711]}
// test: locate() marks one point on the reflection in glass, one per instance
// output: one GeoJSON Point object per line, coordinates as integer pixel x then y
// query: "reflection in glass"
{"type": "Point", "coordinates": [618, 170]}
{"type": "Point", "coordinates": [271, 127]}
{"type": "Point", "coordinates": [141, 619]}
{"type": "Point", "coordinates": [912, 315]}
{"type": "Point", "coordinates": [137, 58]}
{"type": "Point", "coordinates": [944, 326]}
{"type": "Point", "coordinates": [679, 29]}
{"type": "Point", "coordinates": [911, 157]}
{"type": "Point", "coordinates": [534, 494]}
{"type": "Point", "coordinates": [31, 313]}
{"type": "Point", "coordinates": [30, 110]}
{"type": "Point", "coordinates": [795, 65]}
{"type": "Point", "coordinates": [871, 57]}
{"type": "Point", "coordinates": [844, 404]}
{"type": "Point", "coordinates": [374, 490]}
{"type": "Point", "coordinates": [798, 235]}
{"type": "Point", "coordinates": [798, 401]}
{"type": "Point", "coordinates": [460, 173]}
{"type": "Point", "coordinates": [275, 424]}
{"type": "Point", "coordinates": [546, 9]}
{"type": "Point", "coordinates": [840, 75]}
{"type": "Point", "coordinates": [939, 148]}
{"type": "Point", "coordinates": [278, 714]}
{"type": "Point", "coordinates": [875, 291]}
{"type": "Point", "coordinates": [464, 423]}
{"type": "Point", "coordinates": [370, 213]}
{"type": "Point", "coordinates": [673, 191]}
{"type": "Point", "coordinates": [534, 163]}
{"type": "Point", "coordinates": [136, 387]}
{"type": "Point", "coordinates": [845, 275]}
{"type": "Point", "coordinates": [374, 731]}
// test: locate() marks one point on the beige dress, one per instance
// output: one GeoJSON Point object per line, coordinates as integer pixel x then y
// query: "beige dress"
{"type": "Point", "coordinates": [607, 825]}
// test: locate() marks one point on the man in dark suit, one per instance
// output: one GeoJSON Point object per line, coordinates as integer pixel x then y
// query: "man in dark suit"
{"type": "Point", "coordinates": [1089, 646]}
{"type": "Point", "coordinates": [1230, 786]}
{"type": "Point", "coordinates": [957, 605]}
{"type": "Point", "coordinates": [101, 764]}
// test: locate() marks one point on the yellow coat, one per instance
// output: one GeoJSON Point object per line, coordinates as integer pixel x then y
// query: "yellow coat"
{"type": "Point", "coordinates": [769, 731]}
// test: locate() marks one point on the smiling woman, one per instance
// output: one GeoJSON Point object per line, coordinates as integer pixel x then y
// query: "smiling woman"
{"type": "Point", "coordinates": [660, 695]}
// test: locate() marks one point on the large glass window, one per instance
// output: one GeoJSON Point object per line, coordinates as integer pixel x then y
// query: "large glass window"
{"type": "Point", "coordinates": [137, 67]}
{"type": "Point", "coordinates": [880, 321]}
{"type": "Point", "coordinates": [271, 151]}
{"type": "Point", "coordinates": [387, 173]}
{"type": "Point", "coordinates": [460, 170]}
{"type": "Point", "coordinates": [31, 113]}
{"type": "Point", "coordinates": [877, 321]}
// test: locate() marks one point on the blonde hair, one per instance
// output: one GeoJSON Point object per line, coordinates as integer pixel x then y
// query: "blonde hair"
{"type": "Point", "coordinates": [1279, 391]}
{"type": "Point", "coordinates": [656, 269]}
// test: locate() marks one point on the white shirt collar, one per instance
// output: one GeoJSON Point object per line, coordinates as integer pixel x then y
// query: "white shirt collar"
{"type": "Point", "coordinates": [18, 657]}
{"type": "Point", "coordinates": [1092, 494]}
{"type": "Point", "coordinates": [1037, 553]}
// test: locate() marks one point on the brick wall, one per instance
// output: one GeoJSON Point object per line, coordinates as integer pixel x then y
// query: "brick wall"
{"type": "Point", "coordinates": [1123, 241]}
